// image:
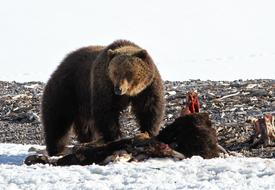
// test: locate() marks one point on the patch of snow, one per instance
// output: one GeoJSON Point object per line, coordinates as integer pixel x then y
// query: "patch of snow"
{"type": "Point", "coordinates": [33, 86]}
{"type": "Point", "coordinates": [169, 116]}
{"type": "Point", "coordinates": [172, 93]}
{"type": "Point", "coordinates": [193, 173]}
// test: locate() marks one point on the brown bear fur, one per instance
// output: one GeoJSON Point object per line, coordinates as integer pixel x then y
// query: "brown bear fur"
{"type": "Point", "coordinates": [92, 86]}
{"type": "Point", "coordinates": [191, 135]}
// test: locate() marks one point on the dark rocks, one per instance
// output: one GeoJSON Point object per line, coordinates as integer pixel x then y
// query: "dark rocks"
{"type": "Point", "coordinates": [19, 112]}
{"type": "Point", "coordinates": [228, 103]}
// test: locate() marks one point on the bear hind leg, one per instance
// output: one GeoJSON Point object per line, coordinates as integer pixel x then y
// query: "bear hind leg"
{"type": "Point", "coordinates": [57, 134]}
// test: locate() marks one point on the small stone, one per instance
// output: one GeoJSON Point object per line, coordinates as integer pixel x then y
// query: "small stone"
{"type": "Point", "coordinates": [259, 92]}
{"type": "Point", "coordinates": [36, 159]}
{"type": "Point", "coordinates": [249, 86]}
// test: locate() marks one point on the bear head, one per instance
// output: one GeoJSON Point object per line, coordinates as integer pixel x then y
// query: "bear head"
{"type": "Point", "coordinates": [130, 70]}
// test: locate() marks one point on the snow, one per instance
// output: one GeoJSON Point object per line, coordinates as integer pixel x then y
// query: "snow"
{"type": "Point", "coordinates": [193, 173]}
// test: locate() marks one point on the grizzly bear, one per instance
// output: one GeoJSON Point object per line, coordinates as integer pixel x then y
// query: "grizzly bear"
{"type": "Point", "coordinates": [91, 87]}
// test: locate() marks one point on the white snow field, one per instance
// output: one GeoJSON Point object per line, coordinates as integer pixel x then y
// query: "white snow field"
{"type": "Point", "coordinates": [194, 173]}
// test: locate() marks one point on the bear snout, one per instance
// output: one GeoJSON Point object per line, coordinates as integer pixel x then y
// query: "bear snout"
{"type": "Point", "coordinates": [117, 90]}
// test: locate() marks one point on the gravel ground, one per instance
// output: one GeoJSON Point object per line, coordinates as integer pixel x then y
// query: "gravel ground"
{"type": "Point", "coordinates": [229, 104]}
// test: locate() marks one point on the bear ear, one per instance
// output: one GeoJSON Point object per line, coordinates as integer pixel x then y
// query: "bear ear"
{"type": "Point", "coordinates": [142, 54]}
{"type": "Point", "coordinates": [111, 53]}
